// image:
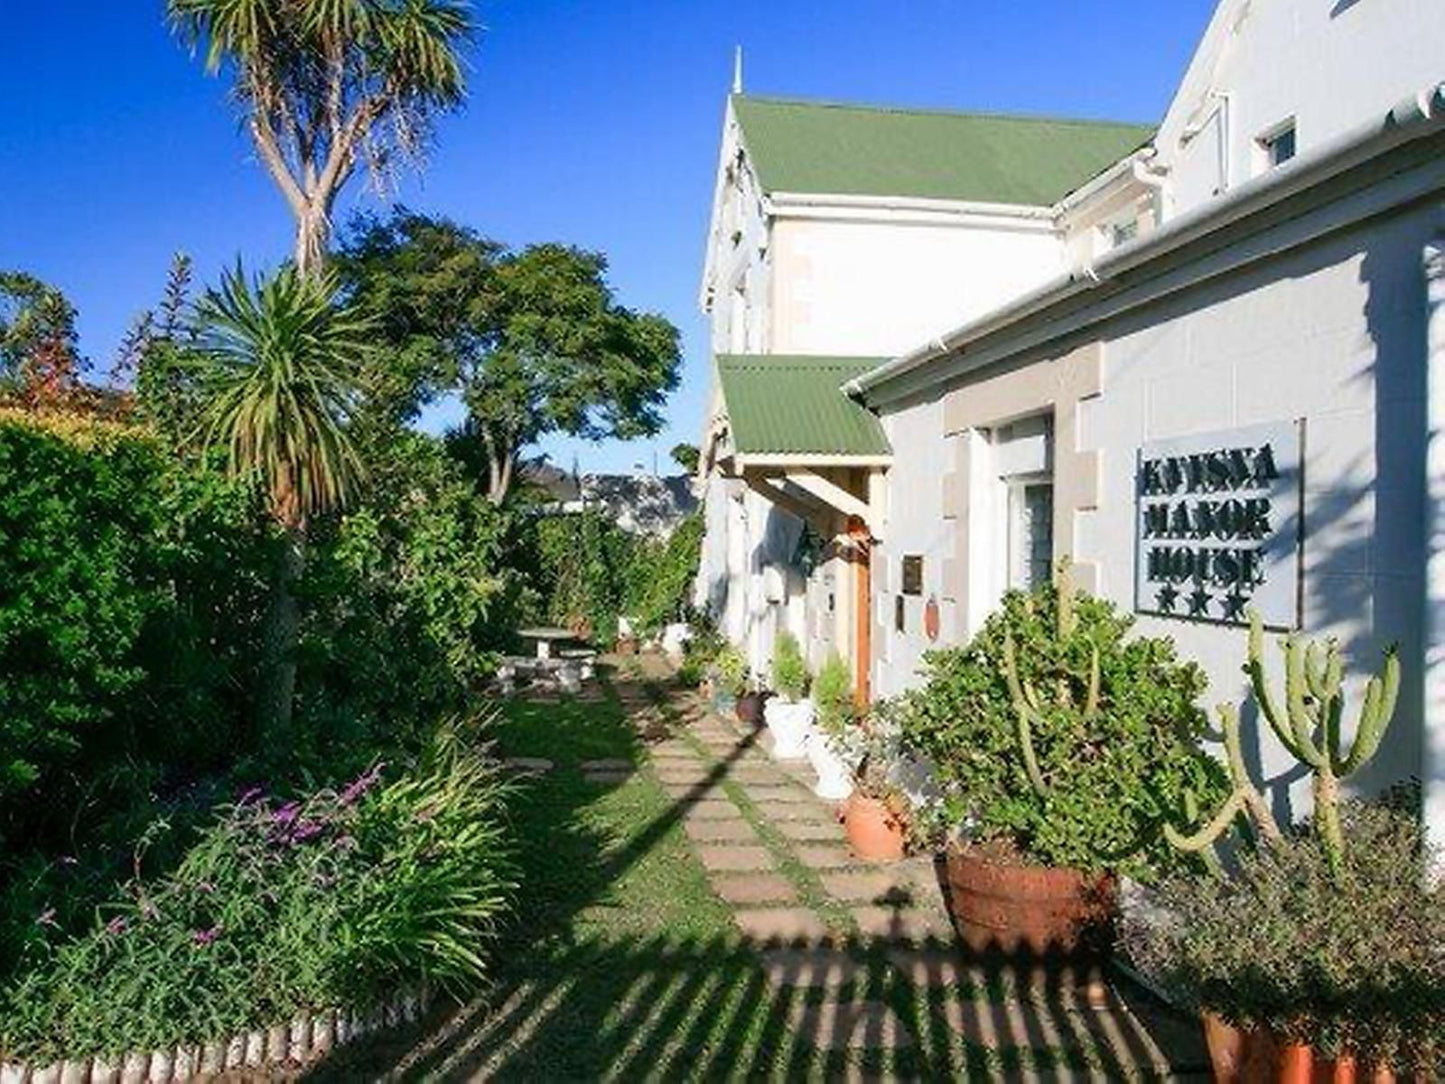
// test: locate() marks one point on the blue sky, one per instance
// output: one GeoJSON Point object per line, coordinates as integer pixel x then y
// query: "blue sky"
{"type": "Point", "coordinates": [591, 123]}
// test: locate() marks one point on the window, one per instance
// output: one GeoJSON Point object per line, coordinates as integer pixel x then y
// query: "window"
{"type": "Point", "coordinates": [1030, 534]}
{"type": "Point", "coordinates": [1123, 232]}
{"type": "Point", "coordinates": [899, 624]}
{"type": "Point", "coordinates": [913, 574]}
{"type": "Point", "coordinates": [1278, 147]}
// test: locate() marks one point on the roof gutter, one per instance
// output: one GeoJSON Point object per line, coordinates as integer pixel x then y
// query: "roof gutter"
{"type": "Point", "coordinates": [1410, 119]}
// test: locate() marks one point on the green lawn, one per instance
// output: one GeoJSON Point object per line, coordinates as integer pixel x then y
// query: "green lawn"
{"type": "Point", "coordinates": [622, 965]}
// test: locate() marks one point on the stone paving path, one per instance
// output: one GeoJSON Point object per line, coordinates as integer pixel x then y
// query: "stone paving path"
{"type": "Point", "coordinates": [777, 855]}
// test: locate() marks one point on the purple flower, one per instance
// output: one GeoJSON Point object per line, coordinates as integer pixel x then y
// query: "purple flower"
{"type": "Point", "coordinates": [116, 926]}
{"type": "Point", "coordinates": [47, 918]}
{"type": "Point", "coordinates": [205, 937]}
{"type": "Point", "coordinates": [361, 784]}
{"type": "Point", "coordinates": [286, 814]}
{"type": "Point", "coordinates": [249, 795]}
{"type": "Point", "coordinates": [305, 830]}
{"type": "Point", "coordinates": [205, 886]}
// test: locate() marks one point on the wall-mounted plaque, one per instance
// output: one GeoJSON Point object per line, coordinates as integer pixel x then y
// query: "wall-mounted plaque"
{"type": "Point", "coordinates": [913, 574]}
{"type": "Point", "coordinates": [1218, 526]}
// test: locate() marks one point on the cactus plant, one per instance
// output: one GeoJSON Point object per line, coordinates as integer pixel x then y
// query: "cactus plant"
{"type": "Point", "coordinates": [1028, 704]}
{"type": "Point", "coordinates": [1309, 727]}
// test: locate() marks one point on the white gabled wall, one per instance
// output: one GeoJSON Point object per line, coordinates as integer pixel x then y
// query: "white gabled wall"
{"type": "Point", "coordinates": [1330, 65]}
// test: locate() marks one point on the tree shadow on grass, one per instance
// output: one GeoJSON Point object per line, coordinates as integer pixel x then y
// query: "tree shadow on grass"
{"type": "Point", "coordinates": [574, 999]}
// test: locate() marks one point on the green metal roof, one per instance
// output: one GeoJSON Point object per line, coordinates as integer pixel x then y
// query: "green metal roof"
{"type": "Point", "coordinates": [824, 148]}
{"type": "Point", "coordinates": [790, 404]}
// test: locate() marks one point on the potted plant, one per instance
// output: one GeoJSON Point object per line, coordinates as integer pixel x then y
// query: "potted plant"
{"type": "Point", "coordinates": [789, 714]}
{"type": "Point", "coordinates": [1305, 970]}
{"type": "Point", "coordinates": [834, 720]}
{"type": "Point", "coordinates": [1059, 743]}
{"type": "Point", "coordinates": [875, 815]}
{"type": "Point", "coordinates": [729, 679]}
{"type": "Point", "coordinates": [1320, 952]}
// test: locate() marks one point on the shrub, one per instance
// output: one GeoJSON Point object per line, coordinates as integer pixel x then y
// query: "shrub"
{"type": "Point", "coordinates": [1110, 769]}
{"type": "Point", "coordinates": [337, 899]}
{"type": "Point", "coordinates": [731, 669]}
{"type": "Point", "coordinates": [660, 580]}
{"type": "Point", "coordinates": [833, 699]}
{"type": "Point", "coordinates": [1345, 964]}
{"type": "Point", "coordinates": [790, 671]}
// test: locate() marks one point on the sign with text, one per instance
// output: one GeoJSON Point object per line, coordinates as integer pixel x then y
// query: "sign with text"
{"type": "Point", "coordinates": [1218, 525]}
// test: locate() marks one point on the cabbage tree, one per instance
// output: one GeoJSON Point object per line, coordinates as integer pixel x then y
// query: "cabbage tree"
{"type": "Point", "coordinates": [327, 85]}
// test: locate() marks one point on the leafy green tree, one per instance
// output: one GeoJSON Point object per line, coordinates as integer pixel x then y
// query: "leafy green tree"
{"type": "Point", "coordinates": [533, 340]}
{"type": "Point", "coordinates": [277, 359]}
{"type": "Point", "coordinates": [327, 85]}
{"type": "Point", "coordinates": [686, 456]}
{"type": "Point", "coordinates": [39, 349]}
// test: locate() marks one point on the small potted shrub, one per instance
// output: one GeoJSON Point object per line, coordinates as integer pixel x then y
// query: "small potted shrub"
{"type": "Point", "coordinates": [1304, 970]}
{"type": "Point", "coordinates": [835, 719]}
{"type": "Point", "coordinates": [1060, 745]}
{"type": "Point", "coordinates": [729, 680]}
{"type": "Point", "coordinates": [875, 815]}
{"type": "Point", "coordinates": [789, 713]}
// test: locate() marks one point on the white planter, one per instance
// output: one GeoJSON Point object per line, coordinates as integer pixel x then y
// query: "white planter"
{"type": "Point", "coordinates": [790, 724]}
{"type": "Point", "coordinates": [835, 778]}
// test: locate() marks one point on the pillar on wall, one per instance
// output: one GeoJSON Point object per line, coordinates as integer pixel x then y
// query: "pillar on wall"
{"type": "Point", "coordinates": [1432, 760]}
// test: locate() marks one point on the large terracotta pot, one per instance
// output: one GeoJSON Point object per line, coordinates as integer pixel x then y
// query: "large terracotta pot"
{"type": "Point", "coordinates": [1246, 1057]}
{"type": "Point", "coordinates": [875, 832]}
{"type": "Point", "coordinates": [1041, 911]}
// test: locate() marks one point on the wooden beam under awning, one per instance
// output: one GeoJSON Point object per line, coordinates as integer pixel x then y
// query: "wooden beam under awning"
{"type": "Point", "coordinates": [814, 498]}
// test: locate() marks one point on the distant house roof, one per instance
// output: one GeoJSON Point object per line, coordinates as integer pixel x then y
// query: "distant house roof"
{"type": "Point", "coordinates": [825, 148]}
{"type": "Point", "coordinates": [790, 404]}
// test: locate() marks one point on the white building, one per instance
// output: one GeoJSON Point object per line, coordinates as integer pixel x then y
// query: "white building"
{"type": "Point", "coordinates": [1263, 271]}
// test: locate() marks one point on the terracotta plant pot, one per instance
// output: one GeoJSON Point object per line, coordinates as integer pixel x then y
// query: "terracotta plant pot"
{"type": "Point", "coordinates": [1040, 911]}
{"type": "Point", "coordinates": [875, 832]}
{"type": "Point", "coordinates": [750, 708]}
{"type": "Point", "coordinates": [1243, 1057]}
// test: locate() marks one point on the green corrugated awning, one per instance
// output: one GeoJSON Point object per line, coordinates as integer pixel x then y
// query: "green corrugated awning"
{"type": "Point", "coordinates": [792, 405]}
{"type": "Point", "coordinates": [824, 148]}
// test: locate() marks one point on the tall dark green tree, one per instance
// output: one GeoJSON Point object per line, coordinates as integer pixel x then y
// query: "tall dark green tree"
{"type": "Point", "coordinates": [534, 341]}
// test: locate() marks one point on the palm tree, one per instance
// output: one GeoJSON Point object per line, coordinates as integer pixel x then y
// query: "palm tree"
{"type": "Point", "coordinates": [277, 360]}
{"type": "Point", "coordinates": [326, 84]}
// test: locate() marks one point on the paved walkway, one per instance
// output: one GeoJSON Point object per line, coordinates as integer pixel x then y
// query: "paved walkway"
{"type": "Point", "coordinates": [817, 915]}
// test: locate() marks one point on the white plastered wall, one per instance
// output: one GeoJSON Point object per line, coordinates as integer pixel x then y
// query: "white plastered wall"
{"type": "Point", "coordinates": [881, 287]}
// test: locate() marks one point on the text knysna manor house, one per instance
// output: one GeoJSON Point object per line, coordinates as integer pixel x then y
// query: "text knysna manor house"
{"type": "Point", "coordinates": [1204, 360]}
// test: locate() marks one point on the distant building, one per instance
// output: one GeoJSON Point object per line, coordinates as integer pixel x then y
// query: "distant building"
{"type": "Point", "coordinates": [1203, 361]}
{"type": "Point", "coordinates": [641, 503]}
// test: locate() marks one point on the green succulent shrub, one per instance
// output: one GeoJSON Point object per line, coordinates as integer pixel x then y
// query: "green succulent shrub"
{"type": "Point", "coordinates": [337, 899]}
{"type": "Point", "coordinates": [1058, 736]}
{"type": "Point", "coordinates": [790, 670]}
{"type": "Point", "coordinates": [1344, 958]}
{"type": "Point", "coordinates": [833, 709]}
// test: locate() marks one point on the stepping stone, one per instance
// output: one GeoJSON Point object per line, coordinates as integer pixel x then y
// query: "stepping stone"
{"type": "Point", "coordinates": [895, 924]}
{"type": "Point", "coordinates": [686, 774]}
{"type": "Point", "coordinates": [606, 777]}
{"type": "Point", "coordinates": [789, 794]}
{"type": "Point", "coordinates": [734, 857]}
{"type": "Point", "coordinates": [866, 1025]}
{"type": "Point", "coordinates": [751, 889]}
{"type": "Point", "coordinates": [874, 886]}
{"type": "Point", "coordinates": [810, 831]}
{"type": "Point", "coordinates": [710, 809]}
{"type": "Point", "coordinates": [811, 967]}
{"type": "Point", "coordinates": [728, 831]}
{"type": "Point", "coordinates": [823, 855]}
{"type": "Point", "coordinates": [781, 924]}
{"type": "Point", "coordinates": [610, 764]}
{"type": "Point", "coordinates": [528, 765]}
{"type": "Point", "coordinates": [689, 791]}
